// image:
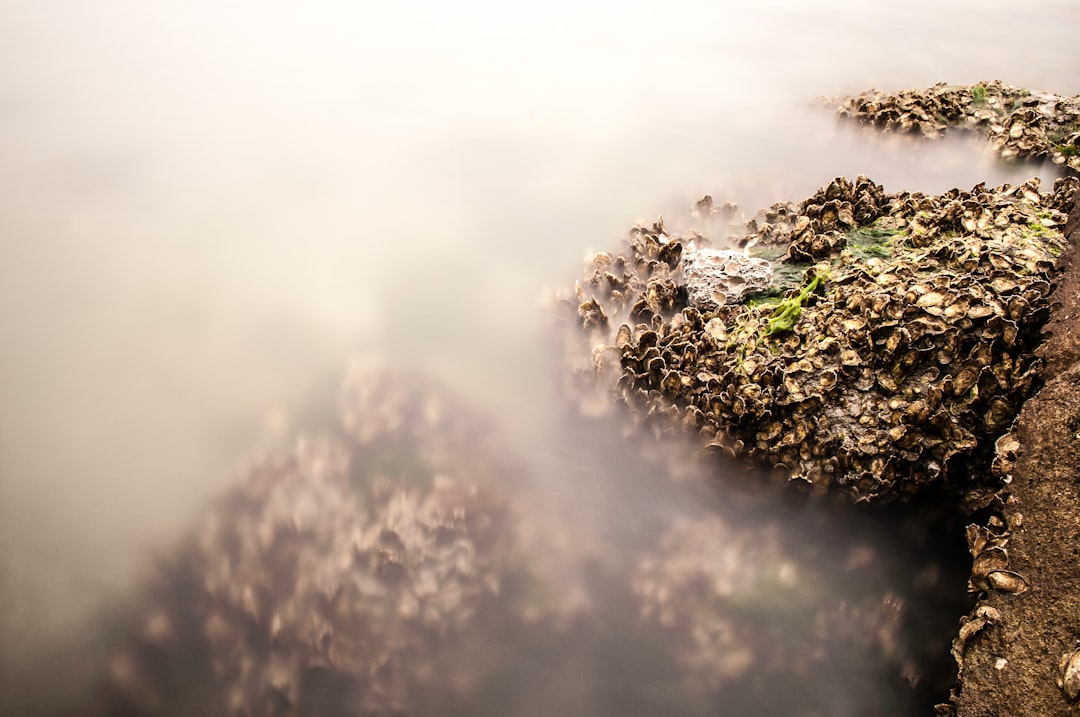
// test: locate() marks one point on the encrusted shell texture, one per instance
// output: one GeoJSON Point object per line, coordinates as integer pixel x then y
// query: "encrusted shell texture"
{"type": "Point", "coordinates": [906, 345]}
{"type": "Point", "coordinates": [746, 608]}
{"type": "Point", "coordinates": [332, 579]}
{"type": "Point", "coordinates": [1017, 123]}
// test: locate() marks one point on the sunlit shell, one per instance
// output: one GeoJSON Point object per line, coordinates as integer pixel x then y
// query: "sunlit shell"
{"type": "Point", "coordinates": [964, 379]}
{"type": "Point", "coordinates": [990, 560]}
{"type": "Point", "coordinates": [984, 615]}
{"type": "Point", "coordinates": [1007, 581]}
{"type": "Point", "coordinates": [1069, 677]}
{"type": "Point", "coordinates": [849, 357]}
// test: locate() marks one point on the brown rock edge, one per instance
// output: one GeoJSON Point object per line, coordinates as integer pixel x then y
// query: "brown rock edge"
{"type": "Point", "coordinates": [1012, 665]}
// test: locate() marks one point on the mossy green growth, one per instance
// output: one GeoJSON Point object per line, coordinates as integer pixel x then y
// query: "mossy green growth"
{"type": "Point", "coordinates": [789, 310]}
{"type": "Point", "coordinates": [978, 94]}
{"type": "Point", "coordinates": [872, 241]}
{"type": "Point", "coordinates": [769, 297]}
{"type": "Point", "coordinates": [1037, 228]}
{"type": "Point", "coordinates": [786, 276]}
{"type": "Point", "coordinates": [770, 254]}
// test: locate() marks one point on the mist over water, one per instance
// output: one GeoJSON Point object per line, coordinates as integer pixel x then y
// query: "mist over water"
{"type": "Point", "coordinates": [207, 207]}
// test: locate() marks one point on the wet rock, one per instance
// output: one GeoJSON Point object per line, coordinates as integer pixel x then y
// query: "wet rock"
{"type": "Point", "coordinates": [391, 569]}
{"type": "Point", "coordinates": [746, 611]}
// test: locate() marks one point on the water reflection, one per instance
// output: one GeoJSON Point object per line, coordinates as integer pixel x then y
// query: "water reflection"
{"type": "Point", "coordinates": [206, 207]}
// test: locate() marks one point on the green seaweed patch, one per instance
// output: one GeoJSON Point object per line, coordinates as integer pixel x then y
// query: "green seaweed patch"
{"type": "Point", "coordinates": [787, 275]}
{"type": "Point", "coordinates": [978, 94]}
{"type": "Point", "coordinates": [789, 310]}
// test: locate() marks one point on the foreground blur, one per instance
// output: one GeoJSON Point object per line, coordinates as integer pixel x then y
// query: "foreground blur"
{"type": "Point", "coordinates": [405, 564]}
{"type": "Point", "coordinates": [205, 208]}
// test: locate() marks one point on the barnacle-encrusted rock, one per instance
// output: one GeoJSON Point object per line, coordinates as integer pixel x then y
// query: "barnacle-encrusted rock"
{"type": "Point", "coordinates": [326, 581]}
{"type": "Point", "coordinates": [1017, 123]}
{"type": "Point", "coordinates": [904, 348]}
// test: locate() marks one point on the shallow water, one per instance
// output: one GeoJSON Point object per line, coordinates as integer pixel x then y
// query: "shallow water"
{"type": "Point", "coordinates": [207, 207]}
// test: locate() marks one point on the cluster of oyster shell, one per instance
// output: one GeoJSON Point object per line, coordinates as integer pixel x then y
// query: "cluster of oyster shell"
{"type": "Point", "coordinates": [989, 572]}
{"type": "Point", "coordinates": [988, 545]}
{"type": "Point", "coordinates": [1069, 674]}
{"type": "Point", "coordinates": [326, 583]}
{"type": "Point", "coordinates": [1018, 123]}
{"type": "Point", "coordinates": [897, 339]}
{"type": "Point", "coordinates": [748, 610]}
{"type": "Point", "coordinates": [390, 570]}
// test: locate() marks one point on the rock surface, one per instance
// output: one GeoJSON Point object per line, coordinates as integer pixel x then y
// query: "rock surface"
{"type": "Point", "coordinates": [715, 277]}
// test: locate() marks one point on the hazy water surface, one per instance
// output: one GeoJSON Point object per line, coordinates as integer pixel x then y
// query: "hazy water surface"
{"type": "Point", "coordinates": [206, 207]}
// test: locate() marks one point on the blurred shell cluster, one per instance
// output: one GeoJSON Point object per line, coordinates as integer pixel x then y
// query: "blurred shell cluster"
{"type": "Point", "coordinates": [391, 569]}
{"type": "Point", "coordinates": [1018, 123]}
{"type": "Point", "coordinates": [324, 583]}
{"type": "Point", "coordinates": [749, 609]}
{"type": "Point", "coordinates": [896, 338]}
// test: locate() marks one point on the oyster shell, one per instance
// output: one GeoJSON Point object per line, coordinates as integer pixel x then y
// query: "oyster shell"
{"type": "Point", "coordinates": [1017, 123]}
{"type": "Point", "coordinates": [1069, 674]}
{"type": "Point", "coordinates": [338, 573]}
